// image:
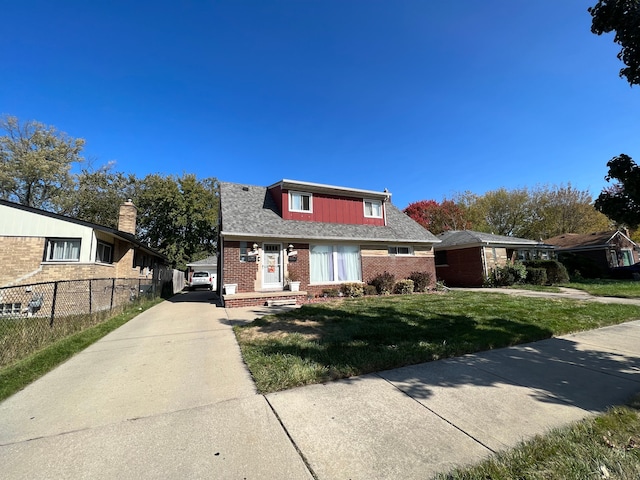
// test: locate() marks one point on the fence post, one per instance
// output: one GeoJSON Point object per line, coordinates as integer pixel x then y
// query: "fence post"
{"type": "Point", "coordinates": [113, 288]}
{"type": "Point", "coordinates": [53, 304]}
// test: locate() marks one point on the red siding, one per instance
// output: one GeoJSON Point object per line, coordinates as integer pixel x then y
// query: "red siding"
{"type": "Point", "coordinates": [328, 208]}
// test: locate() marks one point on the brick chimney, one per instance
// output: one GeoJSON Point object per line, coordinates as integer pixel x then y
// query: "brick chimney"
{"type": "Point", "coordinates": [127, 217]}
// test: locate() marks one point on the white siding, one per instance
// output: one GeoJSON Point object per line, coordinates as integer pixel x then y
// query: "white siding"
{"type": "Point", "coordinates": [19, 223]}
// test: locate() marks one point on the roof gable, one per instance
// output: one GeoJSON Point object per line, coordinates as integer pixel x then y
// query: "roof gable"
{"type": "Point", "coordinates": [250, 211]}
{"type": "Point", "coordinates": [586, 240]}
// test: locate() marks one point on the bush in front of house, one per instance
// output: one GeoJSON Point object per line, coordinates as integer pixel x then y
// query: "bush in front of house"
{"type": "Point", "coordinates": [536, 276]}
{"type": "Point", "coordinates": [352, 289]}
{"type": "Point", "coordinates": [556, 271]}
{"type": "Point", "coordinates": [580, 266]}
{"type": "Point", "coordinates": [404, 287]}
{"type": "Point", "coordinates": [507, 275]}
{"type": "Point", "coordinates": [330, 292]}
{"type": "Point", "coordinates": [421, 281]}
{"type": "Point", "coordinates": [370, 290]}
{"type": "Point", "coordinates": [384, 283]}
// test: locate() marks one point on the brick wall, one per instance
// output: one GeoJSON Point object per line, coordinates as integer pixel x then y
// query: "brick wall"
{"type": "Point", "coordinates": [21, 263]}
{"type": "Point", "coordinates": [19, 256]}
{"type": "Point", "coordinates": [299, 268]}
{"type": "Point", "coordinates": [399, 266]}
{"type": "Point", "coordinates": [464, 268]}
{"type": "Point", "coordinates": [245, 274]}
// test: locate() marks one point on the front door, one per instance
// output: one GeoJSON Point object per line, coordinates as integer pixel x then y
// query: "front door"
{"type": "Point", "coordinates": [272, 266]}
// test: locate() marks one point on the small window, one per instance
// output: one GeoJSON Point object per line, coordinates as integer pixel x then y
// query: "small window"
{"type": "Point", "coordinates": [373, 208]}
{"type": "Point", "coordinates": [300, 202]}
{"type": "Point", "coordinates": [104, 252]}
{"type": "Point", "coordinates": [441, 257]}
{"type": "Point", "coordinates": [63, 250]}
{"type": "Point", "coordinates": [243, 251]}
{"type": "Point", "coordinates": [626, 257]}
{"type": "Point", "coordinates": [400, 251]}
{"type": "Point", "coordinates": [10, 308]}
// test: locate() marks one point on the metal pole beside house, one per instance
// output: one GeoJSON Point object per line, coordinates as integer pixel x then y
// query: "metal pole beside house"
{"type": "Point", "coordinates": [90, 297]}
{"type": "Point", "coordinates": [53, 303]}
{"type": "Point", "coordinates": [113, 288]}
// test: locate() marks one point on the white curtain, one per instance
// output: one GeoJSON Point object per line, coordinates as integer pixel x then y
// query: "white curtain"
{"type": "Point", "coordinates": [66, 250]}
{"type": "Point", "coordinates": [335, 263]}
{"type": "Point", "coordinates": [348, 263]}
{"type": "Point", "coordinates": [321, 263]}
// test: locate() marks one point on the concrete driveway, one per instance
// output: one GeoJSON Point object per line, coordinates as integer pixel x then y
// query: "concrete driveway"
{"type": "Point", "coordinates": [168, 396]}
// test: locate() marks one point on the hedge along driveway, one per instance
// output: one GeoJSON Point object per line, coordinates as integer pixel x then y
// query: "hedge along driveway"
{"type": "Point", "coordinates": [334, 340]}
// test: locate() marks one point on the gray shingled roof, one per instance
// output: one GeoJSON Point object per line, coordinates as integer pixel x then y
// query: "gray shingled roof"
{"type": "Point", "coordinates": [459, 238]}
{"type": "Point", "coordinates": [248, 211]}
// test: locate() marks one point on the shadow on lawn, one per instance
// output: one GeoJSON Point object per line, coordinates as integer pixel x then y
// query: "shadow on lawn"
{"type": "Point", "coordinates": [558, 370]}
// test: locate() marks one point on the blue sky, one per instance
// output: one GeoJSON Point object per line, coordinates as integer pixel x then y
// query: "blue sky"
{"type": "Point", "coordinates": [425, 98]}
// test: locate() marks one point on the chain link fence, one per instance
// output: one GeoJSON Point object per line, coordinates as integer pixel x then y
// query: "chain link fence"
{"type": "Point", "coordinates": [33, 316]}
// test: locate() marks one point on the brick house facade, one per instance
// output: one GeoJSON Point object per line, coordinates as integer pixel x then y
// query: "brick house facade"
{"type": "Point", "coordinates": [465, 258]}
{"type": "Point", "coordinates": [318, 235]}
{"type": "Point", "coordinates": [39, 246]}
{"type": "Point", "coordinates": [606, 251]}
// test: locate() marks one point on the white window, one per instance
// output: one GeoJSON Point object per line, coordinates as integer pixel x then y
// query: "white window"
{"type": "Point", "coordinates": [397, 250]}
{"type": "Point", "coordinates": [63, 250]}
{"type": "Point", "coordinates": [373, 208]}
{"type": "Point", "coordinates": [300, 202]}
{"type": "Point", "coordinates": [335, 263]}
{"type": "Point", "coordinates": [627, 257]}
{"type": "Point", "coordinates": [104, 252]}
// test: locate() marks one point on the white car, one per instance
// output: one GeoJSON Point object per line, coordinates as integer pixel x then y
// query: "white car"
{"type": "Point", "coordinates": [201, 280]}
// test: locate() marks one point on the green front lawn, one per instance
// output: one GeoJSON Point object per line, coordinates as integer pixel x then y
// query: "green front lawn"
{"type": "Point", "coordinates": [328, 341]}
{"type": "Point", "coordinates": [597, 448]}
{"type": "Point", "coordinates": [608, 288]}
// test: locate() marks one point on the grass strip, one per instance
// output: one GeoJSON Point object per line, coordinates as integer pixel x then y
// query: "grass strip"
{"type": "Point", "coordinates": [606, 446]}
{"type": "Point", "coordinates": [17, 376]}
{"type": "Point", "coordinates": [322, 342]}
{"type": "Point", "coordinates": [608, 288]}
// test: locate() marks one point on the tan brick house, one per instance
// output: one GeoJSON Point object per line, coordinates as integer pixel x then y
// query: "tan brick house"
{"type": "Point", "coordinates": [40, 246]}
{"type": "Point", "coordinates": [464, 258]}
{"type": "Point", "coordinates": [318, 235]}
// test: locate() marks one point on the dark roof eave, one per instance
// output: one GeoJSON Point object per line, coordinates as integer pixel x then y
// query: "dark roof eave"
{"type": "Point", "coordinates": [334, 238]}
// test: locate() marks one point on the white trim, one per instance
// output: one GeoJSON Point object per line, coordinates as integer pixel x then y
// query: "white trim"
{"type": "Point", "coordinates": [295, 192]}
{"type": "Point", "coordinates": [322, 188]}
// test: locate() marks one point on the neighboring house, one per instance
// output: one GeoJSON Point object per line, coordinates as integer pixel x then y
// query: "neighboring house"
{"type": "Point", "coordinates": [39, 246]}
{"type": "Point", "coordinates": [319, 235]}
{"type": "Point", "coordinates": [209, 264]}
{"type": "Point", "coordinates": [602, 250]}
{"type": "Point", "coordinates": [465, 258]}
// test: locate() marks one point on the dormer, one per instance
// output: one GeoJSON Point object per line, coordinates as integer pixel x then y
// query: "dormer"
{"type": "Point", "coordinates": [315, 202]}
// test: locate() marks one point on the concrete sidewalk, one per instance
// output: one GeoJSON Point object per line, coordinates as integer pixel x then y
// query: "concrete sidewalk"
{"type": "Point", "coordinates": [168, 396]}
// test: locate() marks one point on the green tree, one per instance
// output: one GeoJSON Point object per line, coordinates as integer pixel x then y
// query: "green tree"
{"type": "Point", "coordinates": [178, 216]}
{"type": "Point", "coordinates": [622, 17]}
{"type": "Point", "coordinates": [35, 162]}
{"type": "Point", "coordinates": [501, 211]}
{"type": "Point", "coordinates": [97, 195]}
{"type": "Point", "coordinates": [563, 209]}
{"type": "Point", "coordinates": [621, 201]}
{"type": "Point", "coordinates": [540, 212]}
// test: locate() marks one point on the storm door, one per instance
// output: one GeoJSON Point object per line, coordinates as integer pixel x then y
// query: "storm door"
{"type": "Point", "coordinates": [272, 266]}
